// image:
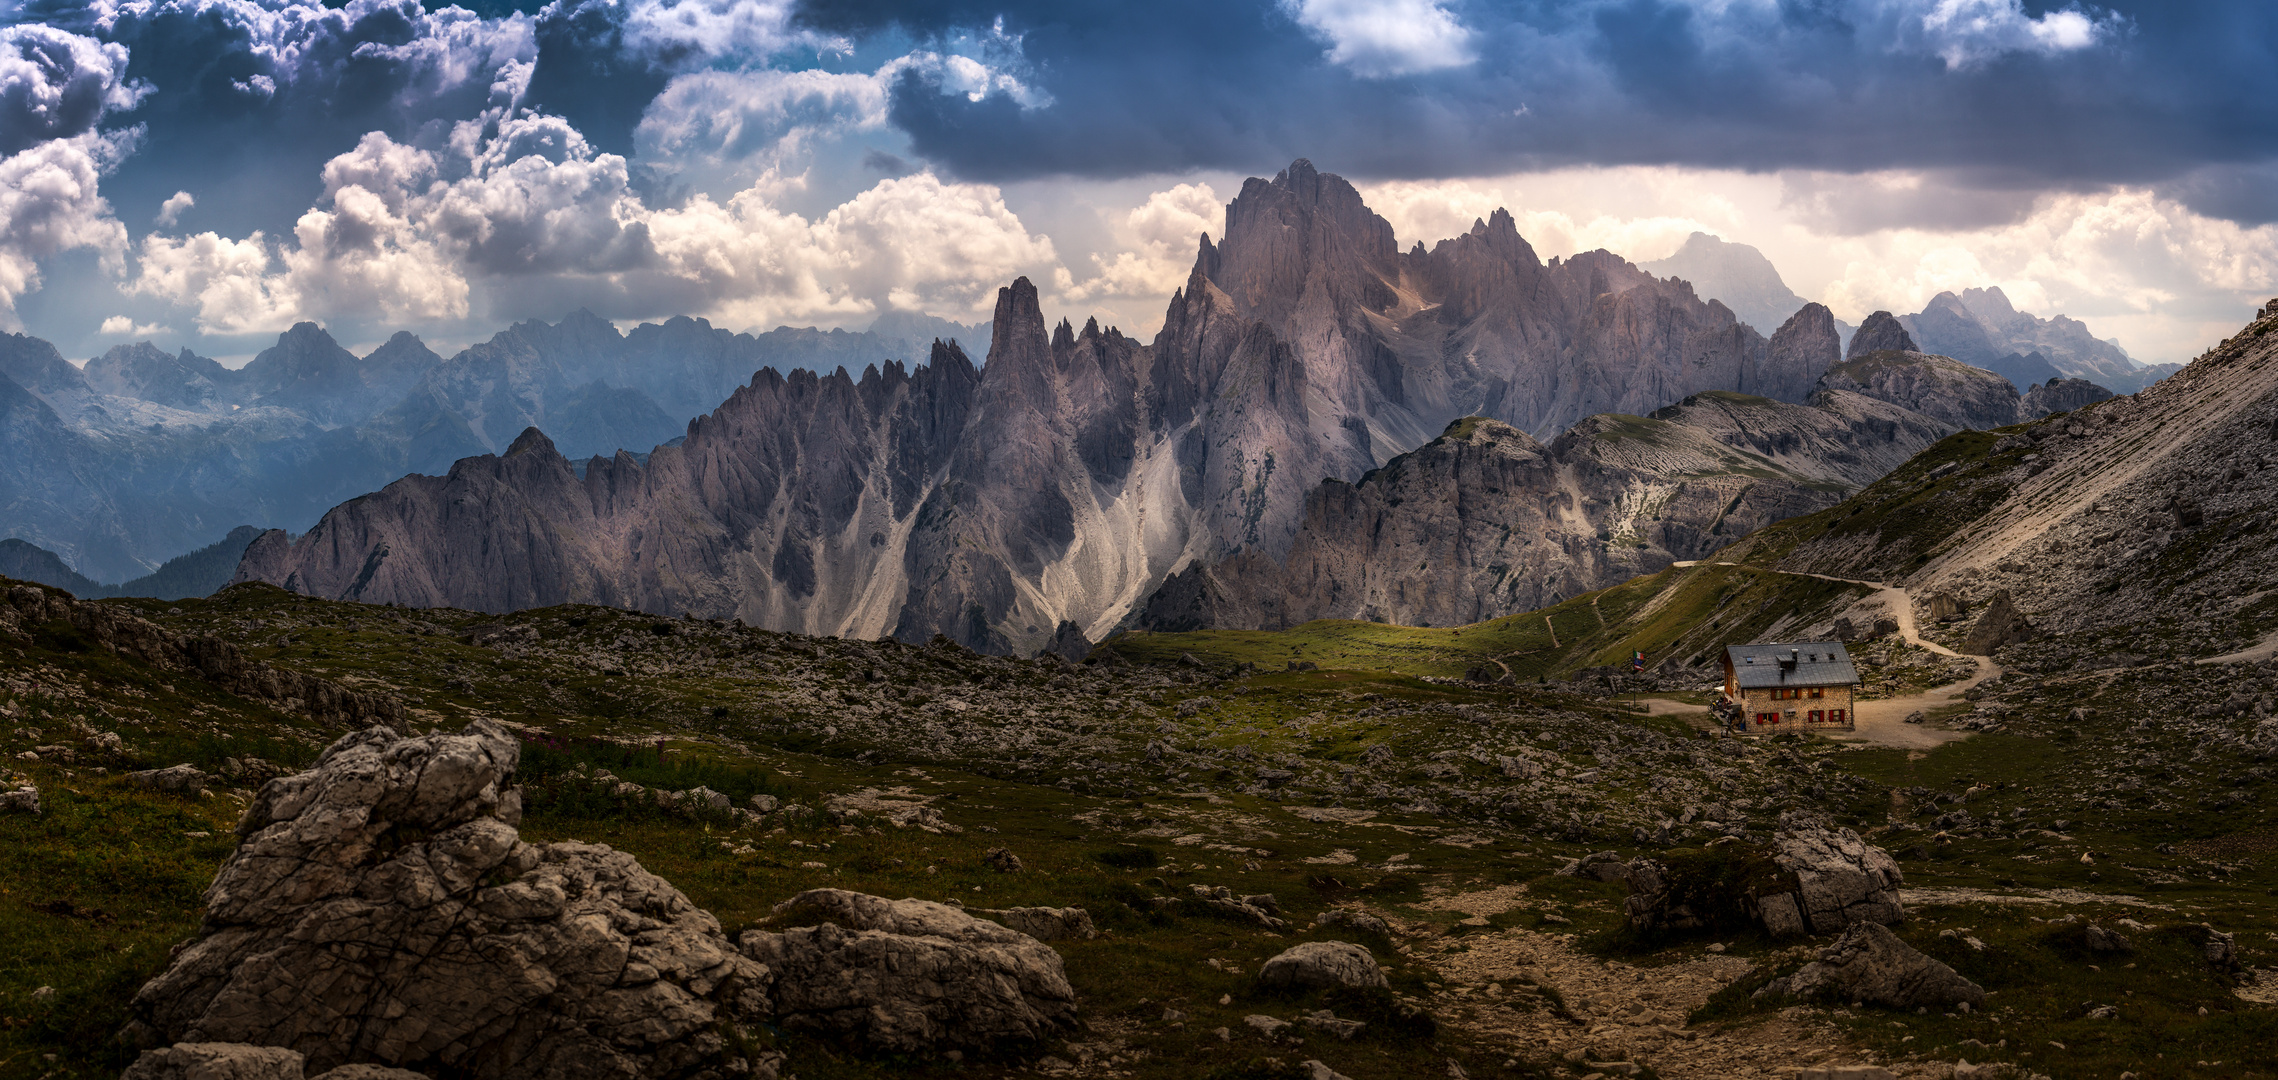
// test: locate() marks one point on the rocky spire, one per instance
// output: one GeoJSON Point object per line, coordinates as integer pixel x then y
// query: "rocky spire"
{"type": "Point", "coordinates": [1881, 331]}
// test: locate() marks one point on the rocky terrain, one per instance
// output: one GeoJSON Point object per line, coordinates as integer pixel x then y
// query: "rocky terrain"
{"type": "Point", "coordinates": [1235, 839]}
{"type": "Point", "coordinates": [1345, 849]}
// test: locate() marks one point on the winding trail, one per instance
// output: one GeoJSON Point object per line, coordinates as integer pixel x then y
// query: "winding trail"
{"type": "Point", "coordinates": [1883, 721]}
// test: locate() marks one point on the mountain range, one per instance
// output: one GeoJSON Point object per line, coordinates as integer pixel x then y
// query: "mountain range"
{"type": "Point", "coordinates": [1055, 490]}
{"type": "Point", "coordinates": [1052, 491]}
{"type": "Point", "coordinates": [142, 455]}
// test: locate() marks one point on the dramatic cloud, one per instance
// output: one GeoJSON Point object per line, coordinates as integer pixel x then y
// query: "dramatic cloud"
{"type": "Point", "coordinates": [1161, 236]}
{"type": "Point", "coordinates": [56, 85]}
{"type": "Point", "coordinates": [1383, 38]}
{"type": "Point", "coordinates": [757, 160]}
{"type": "Point", "coordinates": [49, 204]}
{"type": "Point", "coordinates": [406, 235]}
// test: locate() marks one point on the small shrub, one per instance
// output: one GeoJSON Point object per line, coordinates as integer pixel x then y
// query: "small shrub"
{"type": "Point", "coordinates": [1132, 858]}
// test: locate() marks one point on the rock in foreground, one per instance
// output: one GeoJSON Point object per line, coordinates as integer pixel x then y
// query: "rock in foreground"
{"type": "Point", "coordinates": [909, 975]}
{"type": "Point", "coordinates": [1869, 963]}
{"type": "Point", "coordinates": [1321, 965]}
{"type": "Point", "coordinates": [380, 908]}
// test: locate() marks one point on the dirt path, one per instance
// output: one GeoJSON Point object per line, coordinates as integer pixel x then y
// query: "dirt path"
{"type": "Point", "coordinates": [1618, 1012]}
{"type": "Point", "coordinates": [1883, 722]}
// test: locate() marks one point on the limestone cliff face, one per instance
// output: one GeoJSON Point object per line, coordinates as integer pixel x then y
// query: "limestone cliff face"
{"type": "Point", "coordinates": [2059, 395]}
{"type": "Point", "coordinates": [1939, 386]}
{"type": "Point", "coordinates": [785, 506]}
{"type": "Point", "coordinates": [1880, 333]}
{"type": "Point", "coordinates": [1485, 521]}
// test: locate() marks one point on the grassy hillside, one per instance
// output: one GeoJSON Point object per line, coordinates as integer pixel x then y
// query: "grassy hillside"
{"type": "Point", "coordinates": [1684, 613]}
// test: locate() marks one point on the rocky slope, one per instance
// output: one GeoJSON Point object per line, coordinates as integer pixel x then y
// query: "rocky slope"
{"type": "Point", "coordinates": [1485, 521]}
{"type": "Point", "coordinates": [2149, 510]}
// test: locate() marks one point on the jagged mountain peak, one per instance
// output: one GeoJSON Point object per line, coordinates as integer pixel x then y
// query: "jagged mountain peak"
{"type": "Point", "coordinates": [1881, 332]}
{"type": "Point", "coordinates": [534, 441]}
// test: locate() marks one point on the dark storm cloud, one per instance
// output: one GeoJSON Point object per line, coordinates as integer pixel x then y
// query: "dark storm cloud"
{"type": "Point", "coordinates": [2050, 96]}
{"type": "Point", "coordinates": [247, 100]}
{"type": "Point", "coordinates": [56, 85]}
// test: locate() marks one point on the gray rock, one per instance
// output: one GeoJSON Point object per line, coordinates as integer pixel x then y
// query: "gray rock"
{"type": "Point", "coordinates": [1002, 860]}
{"type": "Point", "coordinates": [177, 779]}
{"type": "Point", "coordinates": [2107, 941]}
{"type": "Point", "coordinates": [24, 800]}
{"type": "Point", "coordinates": [909, 975]}
{"type": "Point", "coordinates": [1869, 963]}
{"type": "Point", "coordinates": [1841, 880]}
{"type": "Point", "coordinates": [1045, 923]}
{"type": "Point", "coordinates": [380, 907]}
{"type": "Point", "coordinates": [1597, 866]}
{"type": "Point", "coordinates": [1317, 1071]}
{"type": "Point", "coordinates": [1267, 1026]}
{"type": "Point", "coordinates": [2059, 395]}
{"type": "Point", "coordinates": [1221, 900]}
{"type": "Point", "coordinates": [1327, 1023]}
{"type": "Point", "coordinates": [1359, 922]}
{"type": "Point", "coordinates": [1880, 332]}
{"type": "Point", "coordinates": [1320, 965]}
{"type": "Point", "coordinates": [2001, 625]}
{"type": "Point", "coordinates": [366, 1071]}
{"type": "Point", "coordinates": [215, 1061]}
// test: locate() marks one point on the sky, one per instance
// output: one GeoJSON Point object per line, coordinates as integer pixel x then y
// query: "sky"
{"type": "Point", "coordinates": [204, 173]}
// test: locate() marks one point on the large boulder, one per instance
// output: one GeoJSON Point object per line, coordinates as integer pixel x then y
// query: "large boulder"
{"type": "Point", "coordinates": [1841, 880]}
{"type": "Point", "coordinates": [908, 975]}
{"type": "Point", "coordinates": [25, 799]}
{"type": "Point", "coordinates": [2002, 624]}
{"type": "Point", "coordinates": [380, 908]}
{"type": "Point", "coordinates": [1869, 963]}
{"type": "Point", "coordinates": [1321, 965]}
{"type": "Point", "coordinates": [215, 1061]}
{"type": "Point", "coordinates": [1811, 879]}
{"type": "Point", "coordinates": [1045, 923]}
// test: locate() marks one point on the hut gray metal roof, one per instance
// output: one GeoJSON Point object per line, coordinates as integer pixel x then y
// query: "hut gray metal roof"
{"type": "Point", "coordinates": [1794, 663]}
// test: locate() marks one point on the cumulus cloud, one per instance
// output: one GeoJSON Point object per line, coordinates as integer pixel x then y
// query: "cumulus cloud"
{"type": "Point", "coordinates": [50, 204]}
{"type": "Point", "coordinates": [709, 29]}
{"type": "Point", "coordinates": [743, 124]}
{"type": "Point", "coordinates": [406, 234]}
{"type": "Point", "coordinates": [56, 85]}
{"type": "Point", "coordinates": [1969, 32]}
{"type": "Point", "coordinates": [170, 211]}
{"type": "Point", "coordinates": [1160, 236]}
{"type": "Point", "coordinates": [55, 88]}
{"type": "Point", "coordinates": [1379, 39]}
{"type": "Point", "coordinates": [123, 326]}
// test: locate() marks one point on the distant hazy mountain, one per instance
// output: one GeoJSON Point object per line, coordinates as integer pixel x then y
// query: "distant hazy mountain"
{"type": "Point", "coordinates": [198, 573]}
{"type": "Point", "coordinates": [1980, 327]}
{"type": "Point", "coordinates": [1739, 276]}
{"type": "Point", "coordinates": [143, 455]}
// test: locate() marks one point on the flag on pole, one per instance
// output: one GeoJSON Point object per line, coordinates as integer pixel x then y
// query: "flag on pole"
{"type": "Point", "coordinates": [1637, 661]}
